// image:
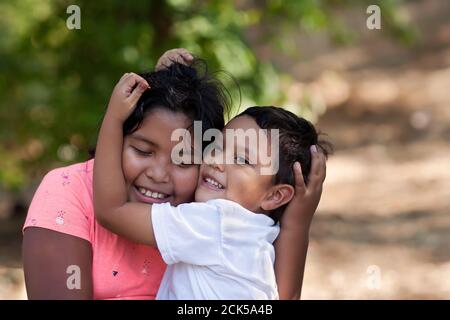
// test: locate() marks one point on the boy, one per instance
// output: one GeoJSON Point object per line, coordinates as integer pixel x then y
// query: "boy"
{"type": "Point", "coordinates": [221, 246]}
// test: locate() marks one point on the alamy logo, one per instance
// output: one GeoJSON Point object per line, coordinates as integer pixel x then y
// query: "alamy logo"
{"type": "Point", "coordinates": [249, 146]}
{"type": "Point", "coordinates": [74, 280]}
{"type": "Point", "coordinates": [74, 20]}
{"type": "Point", "coordinates": [374, 20]}
{"type": "Point", "coordinates": [374, 277]}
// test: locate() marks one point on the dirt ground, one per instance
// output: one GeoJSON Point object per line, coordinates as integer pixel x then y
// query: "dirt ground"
{"type": "Point", "coordinates": [382, 229]}
{"type": "Point", "coordinates": [385, 212]}
{"type": "Point", "coordinates": [11, 274]}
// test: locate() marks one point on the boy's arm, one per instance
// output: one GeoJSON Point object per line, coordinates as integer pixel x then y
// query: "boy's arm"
{"type": "Point", "coordinates": [292, 243]}
{"type": "Point", "coordinates": [130, 220]}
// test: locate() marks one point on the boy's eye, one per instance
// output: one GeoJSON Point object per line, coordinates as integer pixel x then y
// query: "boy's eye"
{"type": "Point", "coordinates": [241, 160]}
{"type": "Point", "coordinates": [142, 152]}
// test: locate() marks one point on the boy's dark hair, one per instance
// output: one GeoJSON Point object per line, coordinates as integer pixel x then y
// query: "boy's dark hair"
{"type": "Point", "coordinates": [191, 90]}
{"type": "Point", "coordinates": [296, 136]}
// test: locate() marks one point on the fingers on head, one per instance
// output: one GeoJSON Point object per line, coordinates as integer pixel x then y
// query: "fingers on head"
{"type": "Point", "coordinates": [186, 55]}
{"type": "Point", "coordinates": [298, 176]}
{"type": "Point", "coordinates": [125, 75]}
{"type": "Point", "coordinates": [321, 166]}
{"type": "Point", "coordinates": [318, 166]}
{"type": "Point", "coordinates": [135, 78]}
{"type": "Point", "coordinates": [181, 55]}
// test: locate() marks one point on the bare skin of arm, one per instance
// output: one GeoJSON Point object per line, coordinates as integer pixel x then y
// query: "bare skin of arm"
{"type": "Point", "coordinates": [46, 256]}
{"type": "Point", "coordinates": [131, 220]}
{"type": "Point", "coordinates": [291, 246]}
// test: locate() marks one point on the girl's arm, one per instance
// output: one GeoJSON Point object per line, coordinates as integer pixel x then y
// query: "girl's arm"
{"type": "Point", "coordinates": [131, 220]}
{"type": "Point", "coordinates": [291, 245]}
{"type": "Point", "coordinates": [47, 259]}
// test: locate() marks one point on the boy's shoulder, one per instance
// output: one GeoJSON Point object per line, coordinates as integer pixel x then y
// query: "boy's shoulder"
{"type": "Point", "coordinates": [230, 212]}
{"type": "Point", "coordinates": [233, 209]}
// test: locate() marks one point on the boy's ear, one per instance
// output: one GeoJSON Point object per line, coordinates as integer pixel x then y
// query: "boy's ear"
{"type": "Point", "coordinates": [277, 196]}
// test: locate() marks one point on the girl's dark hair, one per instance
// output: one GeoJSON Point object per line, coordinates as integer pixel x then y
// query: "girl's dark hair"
{"type": "Point", "coordinates": [180, 88]}
{"type": "Point", "coordinates": [296, 136]}
{"type": "Point", "coordinates": [187, 89]}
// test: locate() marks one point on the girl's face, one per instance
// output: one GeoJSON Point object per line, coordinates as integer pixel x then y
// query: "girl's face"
{"type": "Point", "coordinates": [150, 175]}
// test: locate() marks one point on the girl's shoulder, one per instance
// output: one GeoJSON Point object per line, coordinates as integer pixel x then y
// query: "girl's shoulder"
{"type": "Point", "coordinates": [72, 176]}
{"type": "Point", "coordinates": [84, 168]}
{"type": "Point", "coordinates": [63, 201]}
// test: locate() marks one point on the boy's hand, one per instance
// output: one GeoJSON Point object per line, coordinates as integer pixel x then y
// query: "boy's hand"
{"type": "Point", "coordinates": [125, 95]}
{"type": "Point", "coordinates": [291, 246]}
{"type": "Point", "coordinates": [179, 55]}
{"type": "Point", "coordinates": [301, 209]}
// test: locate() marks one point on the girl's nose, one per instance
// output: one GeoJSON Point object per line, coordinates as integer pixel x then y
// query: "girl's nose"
{"type": "Point", "coordinates": [157, 172]}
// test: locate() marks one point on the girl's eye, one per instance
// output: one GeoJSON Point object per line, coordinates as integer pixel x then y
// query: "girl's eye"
{"type": "Point", "coordinates": [185, 165]}
{"type": "Point", "coordinates": [142, 152]}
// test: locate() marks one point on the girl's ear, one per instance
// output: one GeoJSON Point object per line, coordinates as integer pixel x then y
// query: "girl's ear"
{"type": "Point", "coordinates": [277, 196]}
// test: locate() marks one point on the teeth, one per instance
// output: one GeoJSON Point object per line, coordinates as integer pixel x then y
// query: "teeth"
{"type": "Point", "coordinates": [214, 183]}
{"type": "Point", "coordinates": [150, 194]}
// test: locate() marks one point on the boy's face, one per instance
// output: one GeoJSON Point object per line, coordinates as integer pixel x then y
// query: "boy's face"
{"type": "Point", "coordinates": [241, 183]}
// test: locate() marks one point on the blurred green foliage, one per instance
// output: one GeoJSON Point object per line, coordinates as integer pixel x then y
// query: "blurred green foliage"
{"type": "Point", "coordinates": [56, 82]}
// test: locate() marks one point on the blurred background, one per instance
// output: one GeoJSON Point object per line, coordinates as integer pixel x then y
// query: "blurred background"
{"type": "Point", "coordinates": [382, 229]}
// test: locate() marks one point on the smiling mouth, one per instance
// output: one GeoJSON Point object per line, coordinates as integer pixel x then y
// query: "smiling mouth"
{"type": "Point", "coordinates": [213, 183]}
{"type": "Point", "coordinates": [151, 194]}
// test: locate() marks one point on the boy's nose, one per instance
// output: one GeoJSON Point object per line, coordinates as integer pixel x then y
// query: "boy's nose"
{"type": "Point", "coordinates": [218, 166]}
{"type": "Point", "coordinates": [215, 160]}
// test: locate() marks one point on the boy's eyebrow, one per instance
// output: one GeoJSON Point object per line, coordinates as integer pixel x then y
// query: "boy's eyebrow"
{"type": "Point", "coordinates": [138, 136]}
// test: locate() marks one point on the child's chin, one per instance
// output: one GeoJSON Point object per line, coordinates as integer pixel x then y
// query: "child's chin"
{"type": "Point", "coordinates": [202, 196]}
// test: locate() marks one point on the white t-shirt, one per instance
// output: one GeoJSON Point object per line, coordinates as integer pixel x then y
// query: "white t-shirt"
{"type": "Point", "coordinates": [215, 250]}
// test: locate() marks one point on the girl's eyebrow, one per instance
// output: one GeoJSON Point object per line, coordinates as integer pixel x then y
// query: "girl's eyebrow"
{"type": "Point", "coordinates": [138, 136]}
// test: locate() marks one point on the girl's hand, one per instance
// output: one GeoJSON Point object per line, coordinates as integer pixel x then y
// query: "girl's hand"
{"type": "Point", "coordinates": [301, 209]}
{"type": "Point", "coordinates": [179, 55]}
{"type": "Point", "coordinates": [125, 95]}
